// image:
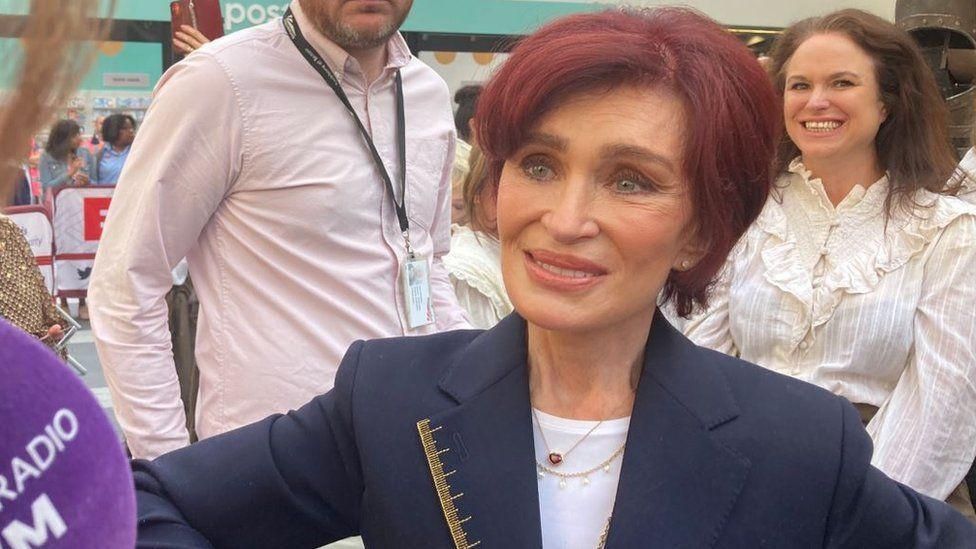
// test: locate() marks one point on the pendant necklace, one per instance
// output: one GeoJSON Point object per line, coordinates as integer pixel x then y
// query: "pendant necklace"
{"type": "Point", "coordinates": [555, 458]}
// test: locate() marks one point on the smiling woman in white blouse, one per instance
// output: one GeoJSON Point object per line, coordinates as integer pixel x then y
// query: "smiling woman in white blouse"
{"type": "Point", "coordinates": [859, 276]}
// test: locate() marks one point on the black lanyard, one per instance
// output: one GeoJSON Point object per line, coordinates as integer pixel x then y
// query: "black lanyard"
{"type": "Point", "coordinates": [319, 64]}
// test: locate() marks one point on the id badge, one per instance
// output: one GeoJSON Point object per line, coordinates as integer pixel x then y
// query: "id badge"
{"type": "Point", "coordinates": [415, 277]}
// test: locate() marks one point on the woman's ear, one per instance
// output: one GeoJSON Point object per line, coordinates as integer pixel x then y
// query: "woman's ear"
{"type": "Point", "coordinates": [691, 253]}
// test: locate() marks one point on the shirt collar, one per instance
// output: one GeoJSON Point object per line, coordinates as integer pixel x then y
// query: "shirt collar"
{"type": "Point", "coordinates": [338, 59]}
{"type": "Point", "coordinates": [876, 191]}
{"type": "Point", "coordinates": [110, 150]}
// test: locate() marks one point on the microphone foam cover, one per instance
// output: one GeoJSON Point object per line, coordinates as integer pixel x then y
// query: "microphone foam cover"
{"type": "Point", "coordinates": [64, 477]}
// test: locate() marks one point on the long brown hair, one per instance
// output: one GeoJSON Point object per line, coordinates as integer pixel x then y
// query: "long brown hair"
{"type": "Point", "coordinates": [475, 190]}
{"type": "Point", "coordinates": [913, 143]}
{"type": "Point", "coordinates": [57, 51]}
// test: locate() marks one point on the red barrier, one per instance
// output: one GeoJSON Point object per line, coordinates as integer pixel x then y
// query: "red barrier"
{"type": "Point", "coordinates": [79, 215]}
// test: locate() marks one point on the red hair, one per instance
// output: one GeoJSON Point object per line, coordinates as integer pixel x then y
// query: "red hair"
{"type": "Point", "coordinates": [733, 123]}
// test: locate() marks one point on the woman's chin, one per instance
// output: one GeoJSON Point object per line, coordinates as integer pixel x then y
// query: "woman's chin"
{"type": "Point", "coordinates": [555, 318]}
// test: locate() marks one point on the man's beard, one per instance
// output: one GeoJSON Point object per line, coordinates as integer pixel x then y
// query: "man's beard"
{"type": "Point", "coordinates": [349, 38]}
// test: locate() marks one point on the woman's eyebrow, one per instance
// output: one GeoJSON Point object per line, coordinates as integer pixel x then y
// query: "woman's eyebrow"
{"type": "Point", "coordinates": [547, 140]}
{"type": "Point", "coordinates": [635, 152]}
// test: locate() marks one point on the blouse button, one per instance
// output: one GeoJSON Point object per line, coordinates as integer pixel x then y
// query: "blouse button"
{"type": "Point", "coordinates": [804, 345]}
{"type": "Point", "coordinates": [835, 223]}
{"type": "Point", "coordinates": [823, 251]}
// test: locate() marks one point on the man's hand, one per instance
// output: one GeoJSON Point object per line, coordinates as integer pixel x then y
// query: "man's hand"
{"type": "Point", "coordinates": [188, 39]}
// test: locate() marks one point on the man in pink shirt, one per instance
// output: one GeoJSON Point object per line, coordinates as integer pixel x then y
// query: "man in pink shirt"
{"type": "Point", "coordinates": [303, 168]}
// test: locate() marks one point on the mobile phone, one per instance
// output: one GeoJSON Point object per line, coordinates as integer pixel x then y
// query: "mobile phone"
{"type": "Point", "coordinates": [203, 15]}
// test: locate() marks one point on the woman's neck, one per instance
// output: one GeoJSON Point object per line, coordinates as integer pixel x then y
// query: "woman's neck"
{"type": "Point", "coordinates": [119, 148]}
{"type": "Point", "coordinates": [590, 376]}
{"type": "Point", "coordinates": [840, 175]}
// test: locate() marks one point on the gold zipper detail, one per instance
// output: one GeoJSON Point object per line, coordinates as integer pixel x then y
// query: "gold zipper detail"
{"type": "Point", "coordinates": [443, 488]}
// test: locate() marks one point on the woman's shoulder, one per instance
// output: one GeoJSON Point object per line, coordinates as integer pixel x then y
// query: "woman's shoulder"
{"type": "Point", "coordinates": [408, 363]}
{"type": "Point", "coordinates": [939, 219]}
{"type": "Point", "coordinates": [779, 414]}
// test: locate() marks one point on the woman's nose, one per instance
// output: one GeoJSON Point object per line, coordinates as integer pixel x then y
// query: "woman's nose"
{"type": "Point", "coordinates": [819, 99]}
{"type": "Point", "coordinates": [570, 217]}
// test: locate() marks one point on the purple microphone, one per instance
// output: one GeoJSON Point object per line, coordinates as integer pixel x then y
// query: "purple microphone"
{"type": "Point", "coordinates": [64, 478]}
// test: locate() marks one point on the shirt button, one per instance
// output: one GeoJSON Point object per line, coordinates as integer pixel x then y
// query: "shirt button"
{"type": "Point", "coordinates": [823, 251]}
{"type": "Point", "coordinates": [835, 223]}
{"type": "Point", "coordinates": [804, 345]}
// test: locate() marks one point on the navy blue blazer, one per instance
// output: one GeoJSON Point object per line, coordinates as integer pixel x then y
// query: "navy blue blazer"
{"type": "Point", "coordinates": [427, 442]}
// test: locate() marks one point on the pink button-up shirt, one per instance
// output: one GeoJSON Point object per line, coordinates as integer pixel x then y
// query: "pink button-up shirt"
{"type": "Point", "coordinates": [249, 165]}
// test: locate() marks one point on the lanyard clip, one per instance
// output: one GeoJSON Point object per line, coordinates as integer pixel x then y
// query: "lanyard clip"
{"type": "Point", "coordinates": [406, 243]}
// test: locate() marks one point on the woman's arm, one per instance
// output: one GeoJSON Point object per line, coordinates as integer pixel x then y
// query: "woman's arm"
{"type": "Point", "coordinates": [870, 510]}
{"type": "Point", "coordinates": [88, 167]}
{"type": "Point", "coordinates": [291, 480]}
{"type": "Point", "coordinates": [925, 433]}
{"type": "Point", "coordinates": [711, 328]}
{"type": "Point", "coordinates": [53, 173]}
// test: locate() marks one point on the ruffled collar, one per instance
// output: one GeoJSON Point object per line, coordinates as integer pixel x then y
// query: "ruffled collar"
{"type": "Point", "coordinates": [873, 244]}
{"type": "Point", "coordinates": [873, 195]}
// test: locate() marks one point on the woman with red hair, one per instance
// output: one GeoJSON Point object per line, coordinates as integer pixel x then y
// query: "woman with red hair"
{"type": "Point", "coordinates": [629, 151]}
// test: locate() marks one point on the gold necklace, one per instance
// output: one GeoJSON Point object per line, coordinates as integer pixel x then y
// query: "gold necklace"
{"type": "Point", "coordinates": [585, 475]}
{"type": "Point", "coordinates": [554, 457]}
{"type": "Point", "coordinates": [601, 543]}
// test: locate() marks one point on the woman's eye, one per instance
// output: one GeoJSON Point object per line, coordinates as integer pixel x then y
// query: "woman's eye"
{"type": "Point", "coordinates": [536, 168]}
{"type": "Point", "coordinates": [631, 183]}
{"type": "Point", "coordinates": [843, 83]}
{"type": "Point", "coordinates": [798, 86]}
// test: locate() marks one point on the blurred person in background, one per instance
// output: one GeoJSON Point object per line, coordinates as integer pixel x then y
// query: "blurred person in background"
{"type": "Point", "coordinates": [297, 244]}
{"type": "Point", "coordinates": [858, 274]}
{"type": "Point", "coordinates": [474, 262]}
{"type": "Point", "coordinates": [64, 162]}
{"type": "Point", "coordinates": [460, 171]}
{"type": "Point", "coordinates": [467, 104]}
{"type": "Point", "coordinates": [466, 99]}
{"type": "Point", "coordinates": [118, 132]}
{"type": "Point", "coordinates": [95, 142]}
{"type": "Point", "coordinates": [22, 194]}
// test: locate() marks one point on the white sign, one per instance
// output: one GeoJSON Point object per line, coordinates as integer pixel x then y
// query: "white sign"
{"type": "Point", "coordinates": [79, 217]}
{"type": "Point", "coordinates": [125, 80]}
{"type": "Point", "coordinates": [238, 15]}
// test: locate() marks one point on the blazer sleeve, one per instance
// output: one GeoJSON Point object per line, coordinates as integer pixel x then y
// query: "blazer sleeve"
{"type": "Point", "coordinates": [291, 480]}
{"type": "Point", "coordinates": [871, 510]}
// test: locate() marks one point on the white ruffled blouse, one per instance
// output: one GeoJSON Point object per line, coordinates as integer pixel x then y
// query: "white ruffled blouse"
{"type": "Point", "coordinates": [475, 267]}
{"type": "Point", "coordinates": [967, 191]}
{"type": "Point", "coordinates": [885, 317]}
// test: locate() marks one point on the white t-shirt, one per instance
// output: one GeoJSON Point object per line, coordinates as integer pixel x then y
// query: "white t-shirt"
{"type": "Point", "coordinates": [575, 513]}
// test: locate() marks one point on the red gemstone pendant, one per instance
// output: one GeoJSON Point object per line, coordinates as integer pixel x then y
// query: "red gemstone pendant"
{"type": "Point", "coordinates": [555, 458]}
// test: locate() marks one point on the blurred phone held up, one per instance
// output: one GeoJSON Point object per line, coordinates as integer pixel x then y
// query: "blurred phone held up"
{"type": "Point", "coordinates": [203, 15]}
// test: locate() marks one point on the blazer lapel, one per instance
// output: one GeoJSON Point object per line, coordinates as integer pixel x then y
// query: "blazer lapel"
{"type": "Point", "coordinates": [481, 452]}
{"type": "Point", "coordinates": [677, 484]}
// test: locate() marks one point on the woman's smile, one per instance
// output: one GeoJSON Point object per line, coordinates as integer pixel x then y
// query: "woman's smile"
{"type": "Point", "coordinates": [563, 272]}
